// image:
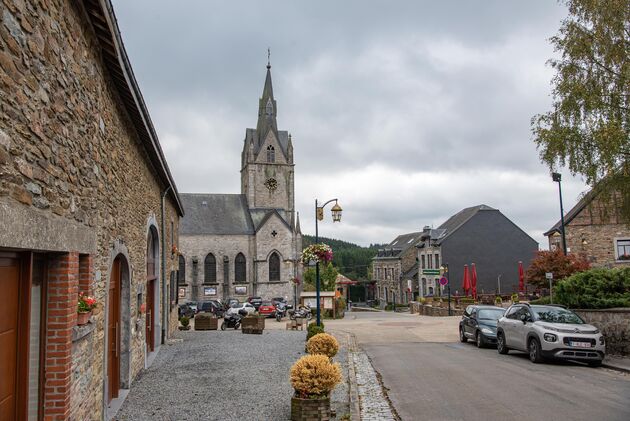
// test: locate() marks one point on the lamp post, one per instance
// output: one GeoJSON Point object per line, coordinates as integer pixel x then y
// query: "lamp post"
{"type": "Point", "coordinates": [319, 216]}
{"type": "Point", "coordinates": [557, 177]}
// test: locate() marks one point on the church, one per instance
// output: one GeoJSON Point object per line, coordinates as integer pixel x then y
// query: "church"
{"type": "Point", "coordinates": [247, 244]}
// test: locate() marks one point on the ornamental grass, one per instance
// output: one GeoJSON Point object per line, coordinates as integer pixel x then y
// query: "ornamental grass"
{"type": "Point", "coordinates": [323, 344]}
{"type": "Point", "coordinates": [314, 376]}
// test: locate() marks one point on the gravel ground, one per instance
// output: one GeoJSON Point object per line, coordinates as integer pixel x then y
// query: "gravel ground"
{"type": "Point", "coordinates": [215, 375]}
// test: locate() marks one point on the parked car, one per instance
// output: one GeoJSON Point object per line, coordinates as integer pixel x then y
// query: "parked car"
{"type": "Point", "coordinates": [211, 306]}
{"type": "Point", "coordinates": [479, 323]}
{"type": "Point", "coordinates": [193, 305]}
{"type": "Point", "coordinates": [267, 309]}
{"type": "Point", "coordinates": [248, 307]}
{"type": "Point", "coordinates": [549, 331]}
{"type": "Point", "coordinates": [185, 310]}
{"type": "Point", "coordinates": [277, 300]}
{"type": "Point", "coordinates": [255, 301]}
{"type": "Point", "coordinates": [230, 302]}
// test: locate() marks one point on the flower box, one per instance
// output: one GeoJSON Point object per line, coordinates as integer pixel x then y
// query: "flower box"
{"type": "Point", "coordinates": [253, 324]}
{"type": "Point", "coordinates": [310, 409]}
{"type": "Point", "coordinates": [205, 321]}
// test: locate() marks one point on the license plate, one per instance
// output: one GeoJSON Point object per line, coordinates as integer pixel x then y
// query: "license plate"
{"type": "Point", "coordinates": [580, 344]}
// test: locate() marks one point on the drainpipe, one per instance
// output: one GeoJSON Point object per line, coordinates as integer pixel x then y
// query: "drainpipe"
{"type": "Point", "coordinates": [164, 297]}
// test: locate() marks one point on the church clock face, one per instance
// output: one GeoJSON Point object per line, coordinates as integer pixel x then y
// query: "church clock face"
{"type": "Point", "coordinates": [271, 184]}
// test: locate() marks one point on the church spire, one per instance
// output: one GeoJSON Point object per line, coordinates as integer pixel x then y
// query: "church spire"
{"type": "Point", "coordinates": [267, 107]}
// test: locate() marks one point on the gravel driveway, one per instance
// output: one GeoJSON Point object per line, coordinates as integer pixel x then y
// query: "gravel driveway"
{"type": "Point", "coordinates": [214, 375]}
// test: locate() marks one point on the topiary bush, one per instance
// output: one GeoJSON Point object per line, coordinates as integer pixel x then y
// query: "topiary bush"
{"type": "Point", "coordinates": [595, 288]}
{"type": "Point", "coordinates": [314, 376]}
{"type": "Point", "coordinates": [312, 329]}
{"type": "Point", "coordinates": [323, 344]}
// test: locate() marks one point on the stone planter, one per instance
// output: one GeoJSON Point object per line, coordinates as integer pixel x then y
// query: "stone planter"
{"type": "Point", "coordinates": [253, 324]}
{"type": "Point", "coordinates": [310, 409]}
{"type": "Point", "coordinates": [83, 318]}
{"type": "Point", "coordinates": [187, 327]}
{"type": "Point", "coordinates": [205, 321]}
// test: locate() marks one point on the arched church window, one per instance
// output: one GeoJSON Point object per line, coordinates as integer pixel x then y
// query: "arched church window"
{"type": "Point", "coordinates": [274, 267]}
{"type": "Point", "coordinates": [271, 154]}
{"type": "Point", "coordinates": [240, 274]}
{"type": "Point", "coordinates": [210, 269]}
{"type": "Point", "coordinates": [181, 272]}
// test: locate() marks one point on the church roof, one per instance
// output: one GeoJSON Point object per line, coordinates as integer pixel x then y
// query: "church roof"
{"type": "Point", "coordinates": [215, 214]}
{"type": "Point", "coordinates": [282, 135]}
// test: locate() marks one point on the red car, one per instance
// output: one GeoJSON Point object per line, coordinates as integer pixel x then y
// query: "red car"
{"type": "Point", "coordinates": [267, 309]}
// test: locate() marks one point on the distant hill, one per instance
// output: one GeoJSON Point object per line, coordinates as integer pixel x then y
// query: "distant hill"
{"type": "Point", "coordinates": [350, 259]}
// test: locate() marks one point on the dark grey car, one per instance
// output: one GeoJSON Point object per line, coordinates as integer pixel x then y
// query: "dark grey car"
{"type": "Point", "coordinates": [479, 323]}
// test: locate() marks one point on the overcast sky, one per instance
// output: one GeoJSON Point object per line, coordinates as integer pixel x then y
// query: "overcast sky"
{"type": "Point", "coordinates": [407, 111]}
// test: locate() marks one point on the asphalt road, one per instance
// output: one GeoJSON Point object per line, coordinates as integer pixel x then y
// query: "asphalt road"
{"type": "Point", "coordinates": [448, 380]}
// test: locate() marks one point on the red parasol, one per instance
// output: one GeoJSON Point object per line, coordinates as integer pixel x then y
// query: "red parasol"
{"type": "Point", "coordinates": [474, 281]}
{"type": "Point", "coordinates": [521, 278]}
{"type": "Point", "coordinates": [466, 281]}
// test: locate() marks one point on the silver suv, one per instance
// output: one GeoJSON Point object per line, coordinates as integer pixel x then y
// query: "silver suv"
{"type": "Point", "coordinates": [549, 331]}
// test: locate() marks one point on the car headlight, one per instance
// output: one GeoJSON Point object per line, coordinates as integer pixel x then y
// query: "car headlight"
{"type": "Point", "coordinates": [550, 337]}
{"type": "Point", "coordinates": [602, 341]}
{"type": "Point", "coordinates": [487, 331]}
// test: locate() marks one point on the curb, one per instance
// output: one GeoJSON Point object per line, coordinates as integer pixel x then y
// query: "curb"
{"type": "Point", "coordinates": [616, 367]}
{"type": "Point", "coordinates": [353, 389]}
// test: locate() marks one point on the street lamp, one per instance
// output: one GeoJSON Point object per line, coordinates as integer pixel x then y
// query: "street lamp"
{"type": "Point", "coordinates": [557, 177]}
{"type": "Point", "coordinates": [319, 216]}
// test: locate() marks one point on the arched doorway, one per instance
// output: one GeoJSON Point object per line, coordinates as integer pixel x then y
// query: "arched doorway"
{"type": "Point", "coordinates": [113, 329]}
{"type": "Point", "coordinates": [152, 276]}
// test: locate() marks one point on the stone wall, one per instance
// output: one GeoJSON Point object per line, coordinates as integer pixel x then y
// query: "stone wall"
{"type": "Point", "coordinates": [614, 323]}
{"type": "Point", "coordinates": [434, 311]}
{"type": "Point", "coordinates": [70, 154]}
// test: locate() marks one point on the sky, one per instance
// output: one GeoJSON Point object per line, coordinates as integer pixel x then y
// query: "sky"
{"type": "Point", "coordinates": [406, 111]}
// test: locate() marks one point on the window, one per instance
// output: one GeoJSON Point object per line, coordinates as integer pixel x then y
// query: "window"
{"type": "Point", "coordinates": [181, 277]}
{"type": "Point", "coordinates": [274, 267]}
{"type": "Point", "coordinates": [423, 262]}
{"type": "Point", "coordinates": [430, 259]}
{"type": "Point", "coordinates": [437, 261]}
{"type": "Point", "coordinates": [622, 248]}
{"type": "Point", "coordinates": [511, 314]}
{"type": "Point", "coordinates": [271, 154]}
{"type": "Point", "coordinates": [210, 269]}
{"type": "Point", "coordinates": [240, 273]}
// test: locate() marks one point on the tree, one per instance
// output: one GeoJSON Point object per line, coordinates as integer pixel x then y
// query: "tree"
{"type": "Point", "coordinates": [327, 277]}
{"type": "Point", "coordinates": [555, 262]}
{"type": "Point", "coordinates": [588, 128]}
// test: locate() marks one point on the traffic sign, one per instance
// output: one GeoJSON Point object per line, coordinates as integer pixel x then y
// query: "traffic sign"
{"type": "Point", "coordinates": [430, 271]}
{"type": "Point", "coordinates": [549, 275]}
{"type": "Point", "coordinates": [443, 281]}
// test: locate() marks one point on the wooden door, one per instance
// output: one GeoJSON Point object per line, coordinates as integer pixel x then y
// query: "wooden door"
{"type": "Point", "coordinates": [150, 334]}
{"type": "Point", "coordinates": [113, 327]}
{"type": "Point", "coordinates": [9, 338]}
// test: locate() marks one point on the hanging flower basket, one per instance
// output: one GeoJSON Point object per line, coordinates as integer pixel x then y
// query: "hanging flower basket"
{"type": "Point", "coordinates": [321, 253]}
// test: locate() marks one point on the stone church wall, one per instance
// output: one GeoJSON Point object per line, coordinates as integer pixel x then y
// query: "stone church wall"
{"type": "Point", "coordinates": [71, 159]}
{"type": "Point", "coordinates": [283, 243]}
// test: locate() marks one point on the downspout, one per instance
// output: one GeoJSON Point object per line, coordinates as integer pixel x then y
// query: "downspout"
{"type": "Point", "coordinates": [164, 297]}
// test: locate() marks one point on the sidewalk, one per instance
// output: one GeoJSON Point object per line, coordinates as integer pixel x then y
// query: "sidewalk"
{"type": "Point", "coordinates": [617, 363]}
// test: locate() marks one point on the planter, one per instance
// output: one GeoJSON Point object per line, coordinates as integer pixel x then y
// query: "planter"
{"type": "Point", "coordinates": [310, 409]}
{"type": "Point", "coordinates": [205, 321]}
{"type": "Point", "coordinates": [253, 324]}
{"type": "Point", "coordinates": [184, 327]}
{"type": "Point", "coordinates": [83, 318]}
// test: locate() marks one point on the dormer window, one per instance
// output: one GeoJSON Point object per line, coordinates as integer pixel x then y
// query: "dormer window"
{"type": "Point", "coordinates": [271, 154]}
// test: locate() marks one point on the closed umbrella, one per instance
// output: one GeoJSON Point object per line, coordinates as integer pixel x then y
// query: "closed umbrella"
{"type": "Point", "coordinates": [474, 281]}
{"type": "Point", "coordinates": [521, 278]}
{"type": "Point", "coordinates": [466, 281]}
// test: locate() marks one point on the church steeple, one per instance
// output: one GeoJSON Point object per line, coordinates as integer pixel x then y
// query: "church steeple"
{"type": "Point", "coordinates": [267, 111]}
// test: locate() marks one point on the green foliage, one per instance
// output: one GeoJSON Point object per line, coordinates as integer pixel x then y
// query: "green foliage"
{"type": "Point", "coordinates": [555, 262]}
{"type": "Point", "coordinates": [515, 298]}
{"type": "Point", "coordinates": [327, 277]}
{"type": "Point", "coordinates": [588, 128]}
{"type": "Point", "coordinates": [498, 301]}
{"type": "Point", "coordinates": [542, 300]}
{"type": "Point", "coordinates": [350, 259]}
{"type": "Point", "coordinates": [185, 321]}
{"type": "Point", "coordinates": [312, 329]}
{"type": "Point", "coordinates": [596, 288]}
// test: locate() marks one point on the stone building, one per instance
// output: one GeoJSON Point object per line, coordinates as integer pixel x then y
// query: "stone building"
{"type": "Point", "coordinates": [481, 235]}
{"type": "Point", "coordinates": [247, 244]}
{"type": "Point", "coordinates": [395, 270]}
{"type": "Point", "coordinates": [87, 204]}
{"type": "Point", "coordinates": [595, 229]}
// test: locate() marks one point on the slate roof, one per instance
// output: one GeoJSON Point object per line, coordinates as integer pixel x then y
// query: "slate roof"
{"type": "Point", "coordinates": [460, 218]}
{"type": "Point", "coordinates": [215, 214]}
{"type": "Point", "coordinates": [399, 245]}
{"type": "Point", "coordinates": [283, 139]}
{"type": "Point", "coordinates": [260, 216]}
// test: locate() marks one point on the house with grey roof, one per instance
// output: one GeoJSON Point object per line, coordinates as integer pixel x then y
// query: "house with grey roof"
{"type": "Point", "coordinates": [478, 234]}
{"type": "Point", "coordinates": [247, 244]}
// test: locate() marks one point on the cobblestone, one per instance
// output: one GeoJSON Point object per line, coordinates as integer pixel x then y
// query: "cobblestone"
{"type": "Point", "coordinates": [374, 404]}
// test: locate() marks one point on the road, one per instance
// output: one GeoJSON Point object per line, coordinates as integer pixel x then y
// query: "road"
{"type": "Point", "coordinates": [431, 376]}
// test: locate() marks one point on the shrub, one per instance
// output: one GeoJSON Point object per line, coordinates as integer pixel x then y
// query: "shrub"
{"type": "Point", "coordinates": [515, 298]}
{"type": "Point", "coordinates": [595, 288]}
{"type": "Point", "coordinates": [314, 376]}
{"type": "Point", "coordinates": [312, 329]}
{"type": "Point", "coordinates": [323, 344]}
{"type": "Point", "coordinates": [498, 301]}
{"type": "Point", "coordinates": [541, 300]}
{"type": "Point", "coordinates": [185, 321]}
{"type": "Point", "coordinates": [555, 262]}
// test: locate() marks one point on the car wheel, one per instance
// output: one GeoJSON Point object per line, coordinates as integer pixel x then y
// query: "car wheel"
{"type": "Point", "coordinates": [535, 354]}
{"type": "Point", "coordinates": [223, 326]}
{"type": "Point", "coordinates": [594, 363]}
{"type": "Point", "coordinates": [479, 340]}
{"type": "Point", "coordinates": [462, 337]}
{"type": "Point", "coordinates": [501, 346]}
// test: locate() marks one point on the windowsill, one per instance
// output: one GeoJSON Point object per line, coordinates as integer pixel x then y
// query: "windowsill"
{"type": "Point", "coordinates": [210, 283]}
{"type": "Point", "coordinates": [80, 332]}
{"type": "Point", "coordinates": [182, 285]}
{"type": "Point", "coordinates": [622, 261]}
{"type": "Point", "coordinates": [274, 282]}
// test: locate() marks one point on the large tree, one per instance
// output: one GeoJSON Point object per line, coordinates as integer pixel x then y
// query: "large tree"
{"type": "Point", "coordinates": [588, 127]}
{"type": "Point", "coordinates": [555, 262]}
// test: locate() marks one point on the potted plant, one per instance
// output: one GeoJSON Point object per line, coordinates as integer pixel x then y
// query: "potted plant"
{"type": "Point", "coordinates": [84, 308]}
{"type": "Point", "coordinates": [498, 301]}
{"type": "Point", "coordinates": [321, 253]}
{"type": "Point", "coordinates": [206, 321]}
{"type": "Point", "coordinates": [313, 377]}
{"type": "Point", "coordinates": [253, 323]}
{"type": "Point", "coordinates": [185, 323]}
{"type": "Point", "coordinates": [323, 344]}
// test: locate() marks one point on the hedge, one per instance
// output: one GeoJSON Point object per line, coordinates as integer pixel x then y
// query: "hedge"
{"type": "Point", "coordinates": [595, 288]}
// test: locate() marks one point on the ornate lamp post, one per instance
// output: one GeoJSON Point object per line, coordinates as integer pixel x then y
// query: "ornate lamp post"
{"type": "Point", "coordinates": [557, 177]}
{"type": "Point", "coordinates": [319, 216]}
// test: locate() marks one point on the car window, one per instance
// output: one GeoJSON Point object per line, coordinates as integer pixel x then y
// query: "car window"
{"type": "Point", "coordinates": [474, 314]}
{"type": "Point", "coordinates": [556, 315]}
{"type": "Point", "coordinates": [490, 314]}
{"type": "Point", "coordinates": [512, 312]}
{"type": "Point", "coordinates": [468, 310]}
